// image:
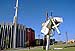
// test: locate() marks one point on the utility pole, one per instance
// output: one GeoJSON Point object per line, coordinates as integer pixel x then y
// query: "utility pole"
{"type": "Point", "coordinates": [15, 24]}
{"type": "Point", "coordinates": [46, 15]}
{"type": "Point", "coordinates": [66, 38]}
{"type": "Point", "coordinates": [39, 39]}
{"type": "Point", "coordinates": [45, 39]}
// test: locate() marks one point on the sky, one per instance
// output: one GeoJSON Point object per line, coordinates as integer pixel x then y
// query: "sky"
{"type": "Point", "coordinates": [32, 13]}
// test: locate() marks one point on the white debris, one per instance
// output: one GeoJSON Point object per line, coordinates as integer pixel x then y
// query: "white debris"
{"type": "Point", "coordinates": [58, 48]}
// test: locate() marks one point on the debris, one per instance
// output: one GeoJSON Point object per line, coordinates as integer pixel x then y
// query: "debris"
{"type": "Point", "coordinates": [57, 48]}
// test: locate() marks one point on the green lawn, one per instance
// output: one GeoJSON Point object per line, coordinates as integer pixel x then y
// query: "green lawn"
{"type": "Point", "coordinates": [65, 49]}
{"type": "Point", "coordinates": [70, 47]}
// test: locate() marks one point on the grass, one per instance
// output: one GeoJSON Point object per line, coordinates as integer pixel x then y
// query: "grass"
{"type": "Point", "coordinates": [65, 49]}
{"type": "Point", "coordinates": [70, 47]}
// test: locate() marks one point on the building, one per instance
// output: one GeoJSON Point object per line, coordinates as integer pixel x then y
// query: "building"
{"type": "Point", "coordinates": [71, 41]}
{"type": "Point", "coordinates": [52, 41]}
{"type": "Point", "coordinates": [38, 42]}
{"type": "Point", "coordinates": [21, 36]}
{"type": "Point", "coordinates": [41, 42]}
{"type": "Point", "coordinates": [7, 32]}
{"type": "Point", "coordinates": [13, 35]}
{"type": "Point", "coordinates": [30, 37]}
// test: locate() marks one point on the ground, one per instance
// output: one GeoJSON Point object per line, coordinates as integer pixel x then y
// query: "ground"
{"type": "Point", "coordinates": [69, 47]}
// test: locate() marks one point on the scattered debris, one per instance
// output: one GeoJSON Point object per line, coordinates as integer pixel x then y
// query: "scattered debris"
{"type": "Point", "coordinates": [57, 48]}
